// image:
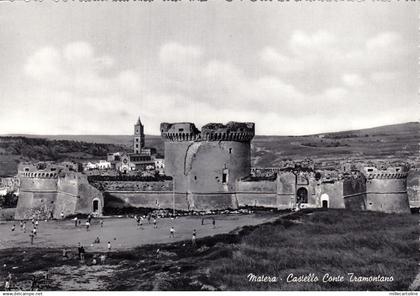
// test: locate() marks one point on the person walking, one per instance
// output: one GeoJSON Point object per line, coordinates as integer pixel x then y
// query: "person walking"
{"type": "Point", "coordinates": [172, 232]}
{"type": "Point", "coordinates": [24, 227]}
{"type": "Point", "coordinates": [79, 250]}
{"type": "Point", "coordinates": [194, 236]}
{"type": "Point", "coordinates": [7, 285]}
{"type": "Point", "coordinates": [109, 246]}
{"type": "Point", "coordinates": [62, 215]}
{"type": "Point", "coordinates": [82, 254]}
{"type": "Point", "coordinates": [87, 225]}
{"type": "Point", "coordinates": [65, 256]}
{"type": "Point", "coordinates": [13, 227]}
{"type": "Point", "coordinates": [102, 223]}
{"type": "Point", "coordinates": [75, 221]}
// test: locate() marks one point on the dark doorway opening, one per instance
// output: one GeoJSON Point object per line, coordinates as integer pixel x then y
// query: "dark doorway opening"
{"type": "Point", "coordinates": [302, 195]}
{"type": "Point", "coordinates": [325, 204]}
{"type": "Point", "coordinates": [95, 205]}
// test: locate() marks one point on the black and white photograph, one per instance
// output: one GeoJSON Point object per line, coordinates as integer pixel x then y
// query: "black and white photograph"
{"type": "Point", "coordinates": [209, 145]}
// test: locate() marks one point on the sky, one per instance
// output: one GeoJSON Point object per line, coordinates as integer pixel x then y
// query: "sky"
{"type": "Point", "coordinates": [292, 68]}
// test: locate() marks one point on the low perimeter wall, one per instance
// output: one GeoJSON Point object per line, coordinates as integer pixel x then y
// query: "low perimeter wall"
{"type": "Point", "coordinates": [167, 199]}
{"type": "Point", "coordinates": [7, 214]}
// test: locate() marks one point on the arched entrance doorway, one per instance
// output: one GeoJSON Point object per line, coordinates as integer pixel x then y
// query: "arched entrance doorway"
{"type": "Point", "coordinates": [302, 195]}
{"type": "Point", "coordinates": [325, 200]}
{"type": "Point", "coordinates": [95, 206]}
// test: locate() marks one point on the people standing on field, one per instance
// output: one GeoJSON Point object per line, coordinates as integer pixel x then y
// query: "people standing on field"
{"type": "Point", "coordinates": [103, 258]}
{"type": "Point", "coordinates": [7, 285]}
{"type": "Point", "coordinates": [194, 236]}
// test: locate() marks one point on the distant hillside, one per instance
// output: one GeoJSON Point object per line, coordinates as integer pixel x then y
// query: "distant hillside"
{"type": "Point", "coordinates": [119, 140]}
{"type": "Point", "coordinates": [15, 149]}
{"type": "Point", "coordinates": [391, 142]}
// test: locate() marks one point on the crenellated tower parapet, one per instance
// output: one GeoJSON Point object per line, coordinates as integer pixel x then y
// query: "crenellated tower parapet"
{"type": "Point", "coordinates": [232, 131]}
{"type": "Point", "coordinates": [385, 172]}
{"type": "Point", "coordinates": [178, 132]}
{"type": "Point", "coordinates": [186, 131]}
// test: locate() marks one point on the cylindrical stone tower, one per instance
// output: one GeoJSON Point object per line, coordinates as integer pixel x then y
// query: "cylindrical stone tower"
{"type": "Point", "coordinates": [206, 165]}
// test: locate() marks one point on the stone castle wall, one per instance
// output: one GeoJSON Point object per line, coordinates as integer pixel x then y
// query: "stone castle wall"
{"type": "Point", "coordinates": [334, 194]}
{"type": "Point", "coordinates": [387, 195]}
{"type": "Point", "coordinates": [146, 199]}
{"type": "Point", "coordinates": [47, 195]}
{"type": "Point", "coordinates": [413, 188]}
{"type": "Point", "coordinates": [377, 191]}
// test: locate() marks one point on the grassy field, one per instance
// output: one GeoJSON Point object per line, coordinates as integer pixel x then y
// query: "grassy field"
{"type": "Point", "coordinates": [334, 241]}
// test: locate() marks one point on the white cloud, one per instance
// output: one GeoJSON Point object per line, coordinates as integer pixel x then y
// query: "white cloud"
{"type": "Point", "coordinates": [352, 80]}
{"type": "Point", "coordinates": [43, 64]}
{"type": "Point", "coordinates": [318, 42]}
{"type": "Point", "coordinates": [279, 62]}
{"type": "Point", "coordinates": [77, 51]}
{"type": "Point", "coordinates": [177, 53]}
{"type": "Point", "coordinates": [384, 41]}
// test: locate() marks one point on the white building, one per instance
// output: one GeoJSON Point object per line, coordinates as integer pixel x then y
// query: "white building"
{"type": "Point", "coordinates": [103, 165]}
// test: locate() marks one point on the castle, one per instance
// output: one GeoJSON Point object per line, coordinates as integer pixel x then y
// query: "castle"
{"type": "Point", "coordinates": [207, 170]}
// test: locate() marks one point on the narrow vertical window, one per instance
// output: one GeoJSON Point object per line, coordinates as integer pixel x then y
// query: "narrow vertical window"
{"type": "Point", "coordinates": [225, 176]}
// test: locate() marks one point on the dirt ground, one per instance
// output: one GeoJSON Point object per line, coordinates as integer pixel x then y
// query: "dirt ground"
{"type": "Point", "coordinates": [123, 233]}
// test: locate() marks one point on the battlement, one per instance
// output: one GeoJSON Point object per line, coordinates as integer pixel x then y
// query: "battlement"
{"type": "Point", "coordinates": [181, 131]}
{"type": "Point", "coordinates": [399, 172]}
{"type": "Point", "coordinates": [232, 131]}
{"type": "Point", "coordinates": [387, 176]}
{"type": "Point", "coordinates": [38, 174]}
{"type": "Point", "coordinates": [186, 131]}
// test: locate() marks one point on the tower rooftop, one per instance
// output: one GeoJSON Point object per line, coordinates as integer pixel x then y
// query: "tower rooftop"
{"type": "Point", "coordinates": [187, 131]}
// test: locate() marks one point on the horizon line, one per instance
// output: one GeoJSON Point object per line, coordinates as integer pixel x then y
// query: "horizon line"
{"type": "Point", "coordinates": [267, 135]}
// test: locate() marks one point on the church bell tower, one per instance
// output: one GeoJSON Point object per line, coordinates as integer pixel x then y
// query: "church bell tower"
{"type": "Point", "coordinates": [138, 137]}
